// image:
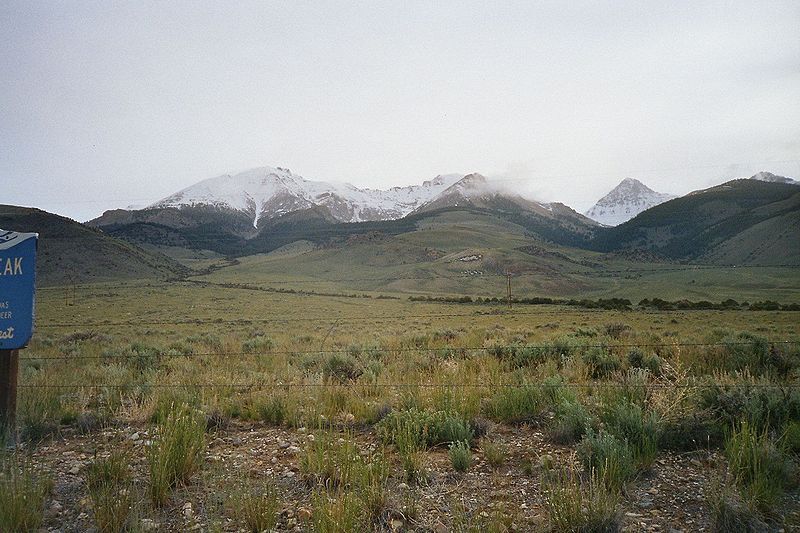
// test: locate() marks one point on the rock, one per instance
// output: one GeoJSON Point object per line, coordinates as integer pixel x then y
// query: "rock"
{"type": "Point", "coordinates": [293, 450]}
{"type": "Point", "coordinates": [148, 524]}
{"type": "Point", "coordinates": [546, 461]}
{"type": "Point", "coordinates": [439, 527]}
{"type": "Point", "coordinates": [75, 470]}
{"type": "Point", "coordinates": [135, 436]}
{"type": "Point", "coordinates": [304, 514]}
{"type": "Point", "coordinates": [282, 444]}
{"type": "Point", "coordinates": [396, 524]}
{"type": "Point", "coordinates": [54, 510]}
{"type": "Point", "coordinates": [237, 441]}
{"type": "Point", "coordinates": [402, 486]}
{"type": "Point", "coordinates": [188, 512]}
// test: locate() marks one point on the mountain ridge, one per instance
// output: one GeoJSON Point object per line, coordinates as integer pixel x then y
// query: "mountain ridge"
{"type": "Point", "coordinates": [270, 192]}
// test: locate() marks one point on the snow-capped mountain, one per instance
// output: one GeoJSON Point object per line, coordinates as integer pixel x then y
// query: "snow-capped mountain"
{"type": "Point", "coordinates": [268, 192]}
{"type": "Point", "coordinates": [475, 190]}
{"type": "Point", "coordinates": [625, 201]}
{"type": "Point", "coordinates": [773, 178]}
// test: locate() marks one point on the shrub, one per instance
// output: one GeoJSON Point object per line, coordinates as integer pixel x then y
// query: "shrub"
{"type": "Point", "coordinates": [217, 420]}
{"type": "Point", "coordinates": [177, 453]}
{"type": "Point", "coordinates": [760, 404]}
{"type": "Point", "coordinates": [601, 363]}
{"type": "Point", "coordinates": [638, 429]}
{"type": "Point", "coordinates": [341, 367]}
{"type": "Point", "coordinates": [424, 428]}
{"type": "Point", "coordinates": [696, 431]}
{"type": "Point", "coordinates": [141, 357]}
{"type": "Point", "coordinates": [790, 438]}
{"type": "Point", "coordinates": [586, 507]}
{"type": "Point", "coordinates": [22, 495]}
{"type": "Point", "coordinates": [258, 344]}
{"type": "Point", "coordinates": [746, 351]}
{"type": "Point", "coordinates": [607, 456]}
{"type": "Point", "coordinates": [637, 358]}
{"type": "Point", "coordinates": [615, 331]}
{"type": "Point", "coordinates": [460, 456]}
{"type": "Point", "coordinates": [494, 452]}
{"type": "Point", "coordinates": [570, 423]}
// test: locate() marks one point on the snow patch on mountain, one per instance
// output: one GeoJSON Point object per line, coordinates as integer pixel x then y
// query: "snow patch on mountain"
{"type": "Point", "coordinates": [773, 178]}
{"type": "Point", "coordinates": [268, 192]}
{"type": "Point", "coordinates": [625, 201]}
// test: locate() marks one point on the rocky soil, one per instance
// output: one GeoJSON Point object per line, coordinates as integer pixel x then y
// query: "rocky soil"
{"type": "Point", "coordinates": [669, 498]}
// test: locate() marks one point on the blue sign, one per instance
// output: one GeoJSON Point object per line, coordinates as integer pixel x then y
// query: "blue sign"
{"type": "Point", "coordinates": [17, 286]}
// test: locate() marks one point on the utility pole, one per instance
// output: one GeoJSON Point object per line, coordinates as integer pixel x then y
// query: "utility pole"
{"type": "Point", "coordinates": [508, 288]}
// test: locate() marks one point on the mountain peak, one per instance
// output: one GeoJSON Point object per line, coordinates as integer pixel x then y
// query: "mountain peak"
{"type": "Point", "coordinates": [629, 198]}
{"type": "Point", "coordinates": [632, 183]}
{"type": "Point", "coordinates": [773, 178]}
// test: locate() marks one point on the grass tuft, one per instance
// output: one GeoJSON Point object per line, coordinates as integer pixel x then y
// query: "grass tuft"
{"type": "Point", "coordinates": [22, 495]}
{"type": "Point", "coordinates": [108, 482]}
{"type": "Point", "coordinates": [576, 506]}
{"type": "Point", "coordinates": [256, 507]}
{"type": "Point", "coordinates": [177, 453]}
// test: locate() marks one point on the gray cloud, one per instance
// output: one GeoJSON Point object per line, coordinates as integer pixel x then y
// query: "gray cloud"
{"type": "Point", "coordinates": [110, 104]}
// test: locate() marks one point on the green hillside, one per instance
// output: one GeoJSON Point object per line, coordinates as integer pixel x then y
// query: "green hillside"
{"type": "Point", "coordinates": [741, 221]}
{"type": "Point", "coordinates": [460, 252]}
{"type": "Point", "coordinates": [72, 252]}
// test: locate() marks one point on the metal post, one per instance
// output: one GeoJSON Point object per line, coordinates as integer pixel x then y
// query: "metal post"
{"type": "Point", "coordinates": [9, 369]}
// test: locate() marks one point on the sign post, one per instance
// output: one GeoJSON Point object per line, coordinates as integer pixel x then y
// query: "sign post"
{"type": "Point", "coordinates": [17, 289]}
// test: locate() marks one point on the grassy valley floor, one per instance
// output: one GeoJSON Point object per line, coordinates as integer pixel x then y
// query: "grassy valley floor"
{"type": "Point", "coordinates": [153, 406]}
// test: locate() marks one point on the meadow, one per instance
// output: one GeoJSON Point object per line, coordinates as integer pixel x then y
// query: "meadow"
{"type": "Point", "coordinates": [189, 406]}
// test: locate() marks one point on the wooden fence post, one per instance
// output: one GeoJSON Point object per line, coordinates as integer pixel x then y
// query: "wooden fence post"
{"type": "Point", "coordinates": [9, 368]}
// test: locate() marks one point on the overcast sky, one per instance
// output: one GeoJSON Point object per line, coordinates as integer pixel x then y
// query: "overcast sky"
{"type": "Point", "coordinates": [109, 104]}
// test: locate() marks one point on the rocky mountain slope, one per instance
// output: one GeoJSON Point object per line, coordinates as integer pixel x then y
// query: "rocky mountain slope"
{"type": "Point", "coordinates": [625, 201]}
